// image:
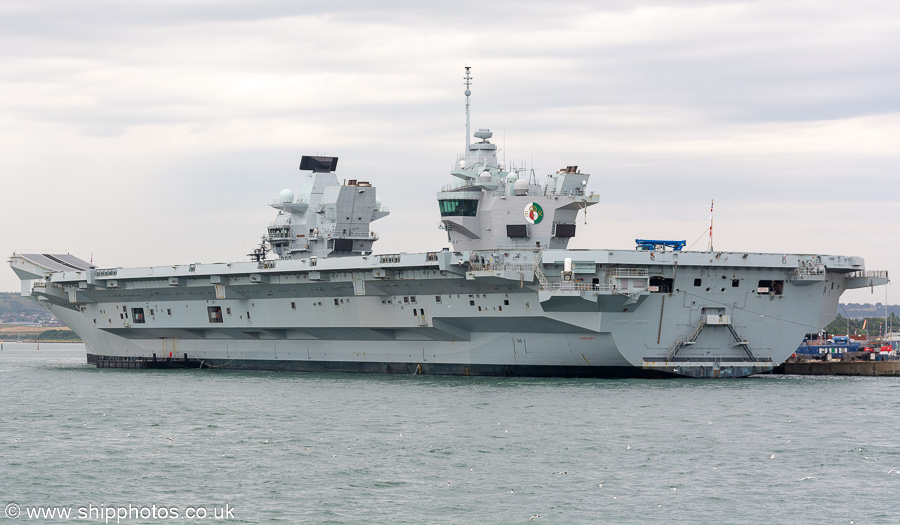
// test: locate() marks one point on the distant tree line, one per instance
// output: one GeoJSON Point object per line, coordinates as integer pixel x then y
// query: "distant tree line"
{"type": "Point", "coordinates": [874, 326]}
{"type": "Point", "coordinates": [58, 335]}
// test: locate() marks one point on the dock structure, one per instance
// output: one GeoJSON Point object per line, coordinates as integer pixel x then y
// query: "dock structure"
{"type": "Point", "coordinates": [840, 368]}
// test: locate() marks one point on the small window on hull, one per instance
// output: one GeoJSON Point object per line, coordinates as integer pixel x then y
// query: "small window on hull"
{"type": "Point", "coordinates": [215, 314]}
{"type": "Point", "coordinates": [565, 230]}
{"type": "Point", "coordinates": [661, 285]}
{"type": "Point", "coordinates": [771, 287]}
{"type": "Point", "coordinates": [516, 230]}
{"type": "Point", "coordinates": [343, 245]}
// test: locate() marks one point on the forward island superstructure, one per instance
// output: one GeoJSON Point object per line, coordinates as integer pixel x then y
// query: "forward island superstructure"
{"type": "Point", "coordinates": [509, 297]}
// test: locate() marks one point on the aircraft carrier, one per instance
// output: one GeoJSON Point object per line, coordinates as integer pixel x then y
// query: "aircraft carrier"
{"type": "Point", "coordinates": [507, 299]}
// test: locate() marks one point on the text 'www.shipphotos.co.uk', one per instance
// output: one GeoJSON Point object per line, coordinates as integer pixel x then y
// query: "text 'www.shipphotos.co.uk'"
{"type": "Point", "coordinates": [117, 513]}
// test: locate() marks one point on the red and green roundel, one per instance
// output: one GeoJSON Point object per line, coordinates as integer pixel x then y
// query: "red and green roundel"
{"type": "Point", "coordinates": [533, 213]}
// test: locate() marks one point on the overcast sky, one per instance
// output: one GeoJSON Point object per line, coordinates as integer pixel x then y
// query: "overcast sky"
{"type": "Point", "coordinates": [156, 132]}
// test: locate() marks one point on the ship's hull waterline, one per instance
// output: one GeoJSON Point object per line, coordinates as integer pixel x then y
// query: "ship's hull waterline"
{"type": "Point", "coordinates": [365, 315]}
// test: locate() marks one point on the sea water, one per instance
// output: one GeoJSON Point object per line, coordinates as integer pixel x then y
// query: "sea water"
{"type": "Point", "coordinates": [151, 446]}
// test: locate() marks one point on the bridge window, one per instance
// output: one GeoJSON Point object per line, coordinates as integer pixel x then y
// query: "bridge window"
{"type": "Point", "coordinates": [458, 207]}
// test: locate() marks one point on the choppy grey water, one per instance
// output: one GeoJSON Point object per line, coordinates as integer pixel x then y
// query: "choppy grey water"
{"type": "Point", "coordinates": [309, 448]}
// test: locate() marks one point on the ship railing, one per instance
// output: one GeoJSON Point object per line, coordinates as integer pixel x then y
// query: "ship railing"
{"type": "Point", "coordinates": [458, 186]}
{"type": "Point", "coordinates": [572, 193]}
{"type": "Point", "coordinates": [279, 202]}
{"type": "Point", "coordinates": [488, 267]}
{"type": "Point", "coordinates": [538, 262]}
{"type": "Point", "coordinates": [296, 246]}
{"type": "Point", "coordinates": [870, 274]}
{"type": "Point", "coordinates": [630, 272]}
{"type": "Point", "coordinates": [806, 271]}
{"type": "Point", "coordinates": [279, 232]}
{"type": "Point", "coordinates": [389, 258]}
{"type": "Point", "coordinates": [334, 234]}
{"type": "Point", "coordinates": [502, 193]}
{"type": "Point", "coordinates": [578, 287]}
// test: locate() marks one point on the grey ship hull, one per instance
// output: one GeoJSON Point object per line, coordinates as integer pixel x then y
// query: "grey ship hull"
{"type": "Point", "coordinates": [492, 313]}
{"type": "Point", "coordinates": [510, 299]}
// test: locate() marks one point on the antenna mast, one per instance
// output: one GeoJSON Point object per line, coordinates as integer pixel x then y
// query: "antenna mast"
{"type": "Point", "coordinates": [711, 202]}
{"type": "Point", "coordinates": [468, 79]}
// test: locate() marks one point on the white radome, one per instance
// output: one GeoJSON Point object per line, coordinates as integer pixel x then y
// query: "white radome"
{"type": "Point", "coordinates": [287, 196]}
{"type": "Point", "coordinates": [521, 187]}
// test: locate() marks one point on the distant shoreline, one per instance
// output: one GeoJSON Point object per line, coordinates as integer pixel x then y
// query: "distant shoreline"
{"type": "Point", "coordinates": [10, 333]}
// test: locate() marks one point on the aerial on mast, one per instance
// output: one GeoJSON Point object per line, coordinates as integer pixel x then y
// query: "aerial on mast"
{"type": "Point", "coordinates": [468, 79]}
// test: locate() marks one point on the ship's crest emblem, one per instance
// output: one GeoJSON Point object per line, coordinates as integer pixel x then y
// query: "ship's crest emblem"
{"type": "Point", "coordinates": [533, 213]}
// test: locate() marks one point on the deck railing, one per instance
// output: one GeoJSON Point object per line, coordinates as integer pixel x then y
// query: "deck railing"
{"type": "Point", "coordinates": [869, 274]}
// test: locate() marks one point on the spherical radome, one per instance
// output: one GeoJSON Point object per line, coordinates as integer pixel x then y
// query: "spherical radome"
{"type": "Point", "coordinates": [287, 196]}
{"type": "Point", "coordinates": [521, 187]}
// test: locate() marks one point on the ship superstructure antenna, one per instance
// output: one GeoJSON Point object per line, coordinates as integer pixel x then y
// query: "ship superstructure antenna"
{"type": "Point", "coordinates": [259, 254]}
{"type": "Point", "coordinates": [711, 202]}
{"type": "Point", "coordinates": [468, 79]}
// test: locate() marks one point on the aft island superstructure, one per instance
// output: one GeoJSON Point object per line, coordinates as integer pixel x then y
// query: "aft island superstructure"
{"type": "Point", "coordinates": [509, 297]}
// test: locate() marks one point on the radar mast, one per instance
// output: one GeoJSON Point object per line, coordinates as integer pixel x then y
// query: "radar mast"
{"type": "Point", "coordinates": [468, 79]}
